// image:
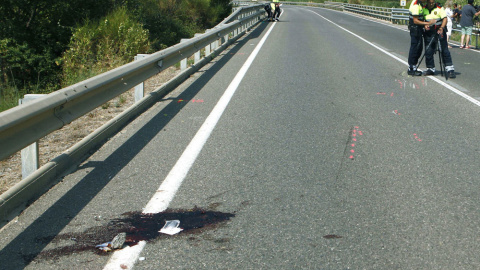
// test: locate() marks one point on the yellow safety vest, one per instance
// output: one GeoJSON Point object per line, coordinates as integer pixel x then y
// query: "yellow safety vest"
{"type": "Point", "coordinates": [416, 9]}
{"type": "Point", "coordinates": [437, 13]}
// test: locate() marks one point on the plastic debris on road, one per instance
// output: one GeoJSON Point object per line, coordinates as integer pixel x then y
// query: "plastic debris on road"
{"type": "Point", "coordinates": [105, 246]}
{"type": "Point", "coordinates": [171, 227]}
{"type": "Point", "coordinates": [116, 243]}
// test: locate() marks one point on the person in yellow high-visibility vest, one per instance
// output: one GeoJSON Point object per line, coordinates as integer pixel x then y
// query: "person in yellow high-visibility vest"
{"type": "Point", "coordinates": [436, 12]}
{"type": "Point", "coordinates": [416, 24]}
{"type": "Point", "coordinates": [272, 8]}
{"type": "Point", "coordinates": [277, 10]}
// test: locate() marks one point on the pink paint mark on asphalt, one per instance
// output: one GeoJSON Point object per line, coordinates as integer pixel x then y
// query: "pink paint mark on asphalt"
{"type": "Point", "coordinates": [355, 131]}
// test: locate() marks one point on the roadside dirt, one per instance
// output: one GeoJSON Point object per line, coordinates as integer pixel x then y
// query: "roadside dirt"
{"type": "Point", "coordinates": [59, 141]}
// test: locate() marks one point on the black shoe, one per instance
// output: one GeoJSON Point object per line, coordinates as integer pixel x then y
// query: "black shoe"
{"type": "Point", "coordinates": [413, 72]}
{"type": "Point", "coordinates": [451, 74]}
{"type": "Point", "coordinates": [429, 72]}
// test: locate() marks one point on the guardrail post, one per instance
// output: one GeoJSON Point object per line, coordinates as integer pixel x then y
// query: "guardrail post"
{"type": "Point", "coordinates": [139, 91]}
{"type": "Point", "coordinates": [208, 50]}
{"type": "Point", "coordinates": [225, 39]}
{"type": "Point", "coordinates": [183, 63]}
{"type": "Point", "coordinates": [215, 44]}
{"type": "Point", "coordinates": [30, 155]}
{"type": "Point", "coordinates": [197, 55]}
{"type": "Point", "coordinates": [476, 39]}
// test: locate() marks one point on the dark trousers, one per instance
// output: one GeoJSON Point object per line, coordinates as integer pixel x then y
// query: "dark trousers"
{"type": "Point", "coordinates": [446, 57]}
{"type": "Point", "coordinates": [269, 13]}
{"type": "Point", "coordinates": [416, 45]}
{"type": "Point", "coordinates": [277, 12]}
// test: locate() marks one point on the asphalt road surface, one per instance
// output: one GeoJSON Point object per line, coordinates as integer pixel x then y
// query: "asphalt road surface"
{"type": "Point", "coordinates": [325, 155]}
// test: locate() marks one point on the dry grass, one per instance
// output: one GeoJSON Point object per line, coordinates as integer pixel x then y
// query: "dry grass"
{"type": "Point", "coordinates": [58, 141]}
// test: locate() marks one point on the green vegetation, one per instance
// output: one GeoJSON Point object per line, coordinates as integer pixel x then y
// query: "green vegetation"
{"type": "Point", "coordinates": [99, 46]}
{"type": "Point", "coordinates": [48, 44]}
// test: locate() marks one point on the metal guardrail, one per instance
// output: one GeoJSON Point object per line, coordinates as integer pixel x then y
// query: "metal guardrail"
{"type": "Point", "coordinates": [25, 124]}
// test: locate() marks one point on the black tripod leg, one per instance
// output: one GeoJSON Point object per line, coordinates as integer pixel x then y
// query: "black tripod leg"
{"type": "Point", "coordinates": [426, 48]}
{"type": "Point", "coordinates": [442, 61]}
{"type": "Point", "coordinates": [440, 55]}
{"type": "Point", "coordinates": [421, 58]}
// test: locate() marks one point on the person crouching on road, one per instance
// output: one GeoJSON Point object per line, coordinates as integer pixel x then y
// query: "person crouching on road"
{"type": "Point", "coordinates": [416, 24]}
{"type": "Point", "coordinates": [273, 10]}
{"type": "Point", "coordinates": [434, 11]}
{"type": "Point", "coordinates": [276, 14]}
{"type": "Point", "coordinates": [268, 9]}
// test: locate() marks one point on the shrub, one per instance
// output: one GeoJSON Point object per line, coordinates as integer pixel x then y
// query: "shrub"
{"type": "Point", "coordinates": [99, 46]}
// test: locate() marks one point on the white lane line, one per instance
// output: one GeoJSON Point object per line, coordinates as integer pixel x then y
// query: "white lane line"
{"type": "Point", "coordinates": [164, 195]}
{"type": "Point", "coordinates": [451, 88]}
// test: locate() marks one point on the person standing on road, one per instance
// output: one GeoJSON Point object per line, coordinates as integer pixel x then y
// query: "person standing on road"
{"type": "Point", "coordinates": [466, 21]}
{"type": "Point", "coordinates": [449, 12]}
{"type": "Point", "coordinates": [434, 11]}
{"type": "Point", "coordinates": [416, 24]}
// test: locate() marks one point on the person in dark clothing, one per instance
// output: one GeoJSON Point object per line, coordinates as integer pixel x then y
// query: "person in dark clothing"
{"type": "Point", "coordinates": [433, 11]}
{"type": "Point", "coordinates": [468, 12]}
{"type": "Point", "coordinates": [416, 27]}
{"type": "Point", "coordinates": [277, 12]}
{"type": "Point", "coordinates": [456, 13]}
{"type": "Point", "coordinates": [268, 9]}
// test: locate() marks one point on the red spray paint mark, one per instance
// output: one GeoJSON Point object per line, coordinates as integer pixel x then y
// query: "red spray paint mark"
{"type": "Point", "coordinates": [355, 131]}
{"type": "Point", "coordinates": [396, 112]}
{"type": "Point", "coordinates": [416, 137]}
{"type": "Point", "coordinates": [401, 84]}
{"type": "Point", "coordinates": [193, 100]}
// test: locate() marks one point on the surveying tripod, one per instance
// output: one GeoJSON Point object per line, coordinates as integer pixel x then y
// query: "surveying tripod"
{"type": "Point", "coordinates": [440, 54]}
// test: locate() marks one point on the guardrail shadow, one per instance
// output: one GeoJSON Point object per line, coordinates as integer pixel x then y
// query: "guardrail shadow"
{"type": "Point", "coordinates": [22, 250]}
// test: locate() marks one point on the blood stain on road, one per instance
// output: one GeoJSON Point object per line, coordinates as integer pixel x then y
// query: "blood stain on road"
{"type": "Point", "coordinates": [138, 227]}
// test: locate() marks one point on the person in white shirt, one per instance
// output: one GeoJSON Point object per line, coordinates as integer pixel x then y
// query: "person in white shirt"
{"type": "Point", "coordinates": [449, 12]}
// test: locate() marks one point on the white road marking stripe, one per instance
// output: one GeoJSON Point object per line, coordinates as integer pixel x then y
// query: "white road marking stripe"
{"type": "Point", "coordinates": [165, 193]}
{"type": "Point", "coordinates": [451, 88]}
